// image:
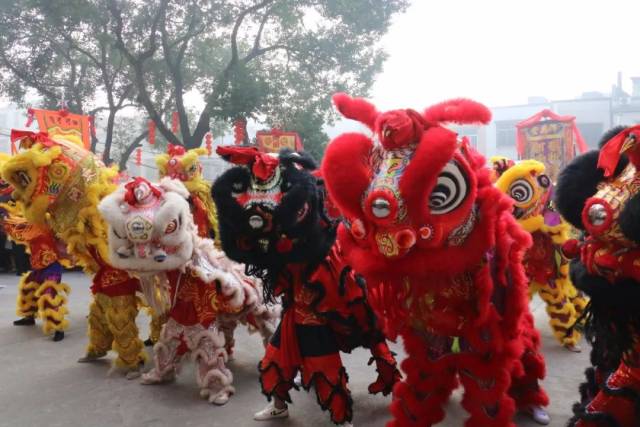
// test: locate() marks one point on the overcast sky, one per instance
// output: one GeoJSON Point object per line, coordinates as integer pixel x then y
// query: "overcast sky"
{"type": "Point", "coordinates": [501, 52]}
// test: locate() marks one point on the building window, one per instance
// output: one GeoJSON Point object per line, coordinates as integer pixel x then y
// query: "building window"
{"type": "Point", "coordinates": [506, 133]}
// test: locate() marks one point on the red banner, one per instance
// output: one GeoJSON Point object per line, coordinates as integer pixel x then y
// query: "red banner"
{"type": "Point", "coordinates": [72, 127]}
{"type": "Point", "coordinates": [551, 139]}
{"type": "Point", "coordinates": [275, 140]}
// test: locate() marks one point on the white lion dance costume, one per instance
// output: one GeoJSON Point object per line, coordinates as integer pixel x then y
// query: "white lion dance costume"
{"type": "Point", "coordinates": [152, 235]}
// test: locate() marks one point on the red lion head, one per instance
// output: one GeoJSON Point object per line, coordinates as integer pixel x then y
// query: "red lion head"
{"type": "Point", "coordinates": [414, 196]}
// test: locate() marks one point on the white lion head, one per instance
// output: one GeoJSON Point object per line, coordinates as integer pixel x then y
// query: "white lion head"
{"type": "Point", "coordinates": [151, 228]}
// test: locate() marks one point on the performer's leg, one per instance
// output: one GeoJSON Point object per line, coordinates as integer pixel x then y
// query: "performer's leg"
{"type": "Point", "coordinates": [166, 355]}
{"type": "Point", "coordinates": [214, 378]}
{"type": "Point", "coordinates": [562, 313]}
{"type": "Point", "coordinates": [100, 336]}
{"type": "Point", "coordinates": [329, 378]}
{"type": "Point", "coordinates": [525, 388]}
{"type": "Point", "coordinates": [617, 403]}
{"type": "Point", "coordinates": [485, 393]}
{"type": "Point", "coordinates": [418, 401]}
{"type": "Point", "coordinates": [26, 302]}
{"type": "Point", "coordinates": [52, 307]}
{"type": "Point", "coordinates": [275, 382]}
{"type": "Point", "coordinates": [386, 366]}
{"type": "Point", "coordinates": [155, 326]}
{"type": "Point", "coordinates": [121, 312]}
{"type": "Point", "coordinates": [228, 327]}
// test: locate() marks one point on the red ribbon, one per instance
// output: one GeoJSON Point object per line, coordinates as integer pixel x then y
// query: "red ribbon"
{"type": "Point", "coordinates": [262, 164]}
{"type": "Point", "coordinates": [41, 137]}
{"type": "Point", "coordinates": [612, 150]}
{"type": "Point", "coordinates": [130, 196]}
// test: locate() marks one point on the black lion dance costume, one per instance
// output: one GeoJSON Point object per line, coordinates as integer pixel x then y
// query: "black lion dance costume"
{"type": "Point", "coordinates": [272, 217]}
{"type": "Point", "coordinates": [599, 193]}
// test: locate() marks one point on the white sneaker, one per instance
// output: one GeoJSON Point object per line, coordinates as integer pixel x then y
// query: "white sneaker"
{"type": "Point", "coordinates": [539, 415]}
{"type": "Point", "coordinates": [270, 412]}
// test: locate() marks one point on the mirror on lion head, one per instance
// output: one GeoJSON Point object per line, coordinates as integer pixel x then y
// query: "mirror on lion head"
{"type": "Point", "coordinates": [151, 228]}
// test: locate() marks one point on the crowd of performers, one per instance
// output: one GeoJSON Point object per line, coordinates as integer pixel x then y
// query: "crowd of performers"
{"type": "Point", "coordinates": [402, 232]}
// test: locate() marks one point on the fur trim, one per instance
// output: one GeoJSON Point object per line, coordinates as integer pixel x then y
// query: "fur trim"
{"type": "Point", "coordinates": [357, 109]}
{"type": "Point", "coordinates": [460, 111]}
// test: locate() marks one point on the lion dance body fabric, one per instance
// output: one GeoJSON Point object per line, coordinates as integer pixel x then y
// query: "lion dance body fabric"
{"type": "Point", "coordinates": [545, 265]}
{"type": "Point", "coordinates": [271, 217]}
{"type": "Point", "coordinates": [59, 185]}
{"type": "Point", "coordinates": [152, 235]}
{"type": "Point", "coordinates": [442, 256]}
{"type": "Point", "coordinates": [599, 193]}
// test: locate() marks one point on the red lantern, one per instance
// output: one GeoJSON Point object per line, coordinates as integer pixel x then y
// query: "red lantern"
{"type": "Point", "coordinates": [175, 123]}
{"type": "Point", "coordinates": [208, 138]}
{"type": "Point", "coordinates": [239, 127]}
{"type": "Point", "coordinates": [138, 156]}
{"type": "Point", "coordinates": [152, 132]}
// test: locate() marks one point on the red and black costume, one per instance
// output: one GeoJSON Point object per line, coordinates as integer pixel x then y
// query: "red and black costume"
{"type": "Point", "coordinates": [599, 193]}
{"type": "Point", "coordinates": [272, 217]}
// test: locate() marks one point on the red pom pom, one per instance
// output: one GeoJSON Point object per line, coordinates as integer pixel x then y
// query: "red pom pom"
{"type": "Point", "coordinates": [284, 245]}
{"type": "Point", "coordinates": [571, 249]}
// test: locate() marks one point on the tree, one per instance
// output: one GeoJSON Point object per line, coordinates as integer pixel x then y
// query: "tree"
{"type": "Point", "coordinates": [274, 61]}
{"type": "Point", "coordinates": [251, 58]}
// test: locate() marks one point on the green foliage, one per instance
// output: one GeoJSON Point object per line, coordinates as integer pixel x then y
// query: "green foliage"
{"type": "Point", "coordinates": [277, 61]}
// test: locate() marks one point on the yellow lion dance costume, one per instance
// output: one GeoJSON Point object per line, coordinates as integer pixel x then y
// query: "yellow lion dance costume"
{"type": "Point", "coordinates": [544, 263]}
{"type": "Point", "coordinates": [41, 293]}
{"type": "Point", "coordinates": [60, 184]}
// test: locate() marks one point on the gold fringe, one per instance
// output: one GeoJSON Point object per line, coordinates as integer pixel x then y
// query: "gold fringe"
{"type": "Point", "coordinates": [120, 315]}
{"type": "Point", "coordinates": [52, 309]}
{"type": "Point", "coordinates": [26, 302]}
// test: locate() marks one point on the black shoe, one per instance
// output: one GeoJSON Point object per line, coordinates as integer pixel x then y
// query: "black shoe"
{"type": "Point", "coordinates": [25, 321]}
{"type": "Point", "coordinates": [149, 342]}
{"type": "Point", "coordinates": [58, 336]}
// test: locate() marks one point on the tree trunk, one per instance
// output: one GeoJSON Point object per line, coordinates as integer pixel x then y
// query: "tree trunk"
{"type": "Point", "coordinates": [106, 155]}
{"type": "Point", "coordinates": [122, 164]}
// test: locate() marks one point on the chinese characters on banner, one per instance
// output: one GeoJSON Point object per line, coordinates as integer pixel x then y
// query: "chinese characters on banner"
{"type": "Point", "coordinates": [551, 139]}
{"type": "Point", "coordinates": [275, 140]}
{"type": "Point", "coordinates": [72, 127]}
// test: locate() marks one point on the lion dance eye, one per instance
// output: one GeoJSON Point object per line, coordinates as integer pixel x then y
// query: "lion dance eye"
{"type": "Point", "coordinates": [450, 190]}
{"type": "Point", "coordinates": [173, 226]}
{"type": "Point", "coordinates": [521, 191]}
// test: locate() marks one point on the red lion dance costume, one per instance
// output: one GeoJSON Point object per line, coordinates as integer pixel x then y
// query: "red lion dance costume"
{"type": "Point", "coordinates": [272, 218]}
{"type": "Point", "coordinates": [440, 248]}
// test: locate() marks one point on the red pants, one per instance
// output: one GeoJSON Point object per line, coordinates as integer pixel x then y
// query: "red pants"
{"type": "Point", "coordinates": [321, 368]}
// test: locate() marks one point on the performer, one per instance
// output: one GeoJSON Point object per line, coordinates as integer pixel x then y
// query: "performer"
{"type": "Point", "coordinates": [599, 193]}
{"type": "Point", "coordinates": [546, 267]}
{"type": "Point", "coordinates": [41, 293]}
{"type": "Point", "coordinates": [442, 256]}
{"type": "Point", "coordinates": [184, 165]}
{"type": "Point", "coordinates": [272, 218]}
{"type": "Point", "coordinates": [152, 235]}
{"type": "Point", "coordinates": [59, 185]}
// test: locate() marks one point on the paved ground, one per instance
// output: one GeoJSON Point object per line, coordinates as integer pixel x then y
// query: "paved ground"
{"type": "Point", "coordinates": [42, 385]}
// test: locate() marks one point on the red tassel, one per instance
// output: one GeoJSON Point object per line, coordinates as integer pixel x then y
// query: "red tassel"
{"type": "Point", "coordinates": [175, 123]}
{"type": "Point", "coordinates": [152, 132]}
{"type": "Point", "coordinates": [239, 130]}
{"type": "Point", "coordinates": [138, 156]}
{"type": "Point", "coordinates": [208, 140]}
{"type": "Point", "coordinates": [30, 116]}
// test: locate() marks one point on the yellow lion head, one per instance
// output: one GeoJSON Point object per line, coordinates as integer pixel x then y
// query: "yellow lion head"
{"type": "Point", "coordinates": [530, 189]}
